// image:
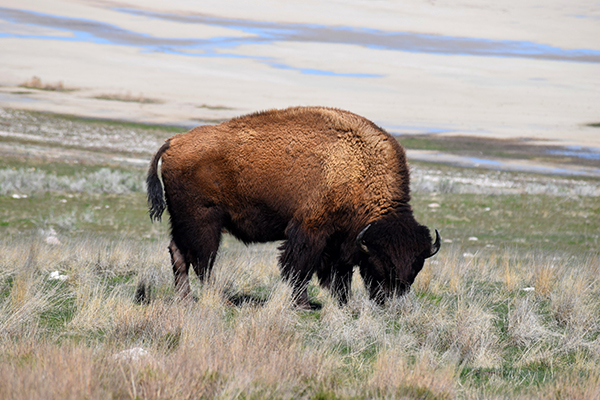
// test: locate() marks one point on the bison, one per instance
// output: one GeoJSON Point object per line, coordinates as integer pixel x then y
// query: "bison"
{"type": "Point", "coordinates": [332, 185]}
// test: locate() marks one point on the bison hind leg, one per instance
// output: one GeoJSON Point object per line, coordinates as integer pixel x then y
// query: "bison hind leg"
{"type": "Point", "coordinates": [197, 237]}
{"type": "Point", "coordinates": [205, 253]}
{"type": "Point", "coordinates": [202, 262]}
{"type": "Point", "coordinates": [181, 266]}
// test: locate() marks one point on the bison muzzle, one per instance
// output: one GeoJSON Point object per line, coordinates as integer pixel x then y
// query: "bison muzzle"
{"type": "Point", "coordinates": [332, 185]}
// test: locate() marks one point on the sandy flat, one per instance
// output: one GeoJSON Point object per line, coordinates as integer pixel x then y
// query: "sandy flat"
{"type": "Point", "coordinates": [523, 69]}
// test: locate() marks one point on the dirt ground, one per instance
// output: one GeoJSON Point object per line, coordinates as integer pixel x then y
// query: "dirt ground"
{"type": "Point", "coordinates": [515, 70]}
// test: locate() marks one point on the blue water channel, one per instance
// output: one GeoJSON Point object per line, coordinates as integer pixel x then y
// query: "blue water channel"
{"type": "Point", "coordinates": [589, 153]}
{"type": "Point", "coordinates": [262, 32]}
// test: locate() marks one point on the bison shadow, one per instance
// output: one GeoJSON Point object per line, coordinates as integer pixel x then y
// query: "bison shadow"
{"type": "Point", "coordinates": [255, 300]}
{"type": "Point", "coordinates": [143, 296]}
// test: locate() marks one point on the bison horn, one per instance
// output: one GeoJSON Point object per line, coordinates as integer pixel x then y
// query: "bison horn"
{"type": "Point", "coordinates": [435, 247]}
{"type": "Point", "coordinates": [360, 242]}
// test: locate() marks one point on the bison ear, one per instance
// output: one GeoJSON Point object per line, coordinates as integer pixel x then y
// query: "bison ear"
{"type": "Point", "coordinates": [361, 242]}
{"type": "Point", "coordinates": [435, 247]}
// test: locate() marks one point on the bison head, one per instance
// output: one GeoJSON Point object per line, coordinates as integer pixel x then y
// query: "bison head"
{"type": "Point", "coordinates": [393, 251]}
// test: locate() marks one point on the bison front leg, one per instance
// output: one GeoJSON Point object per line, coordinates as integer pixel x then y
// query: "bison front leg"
{"type": "Point", "coordinates": [300, 257]}
{"type": "Point", "coordinates": [336, 271]}
{"type": "Point", "coordinates": [296, 275]}
{"type": "Point", "coordinates": [180, 271]}
{"type": "Point", "coordinates": [338, 282]}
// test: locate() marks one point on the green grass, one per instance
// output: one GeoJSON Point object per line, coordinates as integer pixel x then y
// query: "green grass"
{"type": "Point", "coordinates": [55, 167]}
{"type": "Point", "coordinates": [74, 214]}
{"type": "Point", "coordinates": [480, 147]}
{"type": "Point", "coordinates": [519, 222]}
{"type": "Point", "coordinates": [99, 122]}
{"type": "Point", "coordinates": [128, 98]}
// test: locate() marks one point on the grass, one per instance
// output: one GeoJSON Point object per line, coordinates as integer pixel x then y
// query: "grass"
{"type": "Point", "coordinates": [128, 97]}
{"type": "Point", "coordinates": [32, 139]}
{"type": "Point", "coordinates": [522, 222]}
{"type": "Point", "coordinates": [83, 129]}
{"type": "Point", "coordinates": [215, 107]}
{"type": "Point", "coordinates": [512, 314]}
{"type": "Point", "coordinates": [103, 180]}
{"type": "Point", "coordinates": [465, 331]}
{"type": "Point", "coordinates": [480, 147]}
{"type": "Point", "coordinates": [92, 122]}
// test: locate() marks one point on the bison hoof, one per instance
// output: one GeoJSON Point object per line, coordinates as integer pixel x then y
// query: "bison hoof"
{"type": "Point", "coordinates": [186, 298]}
{"type": "Point", "coordinates": [301, 301]}
{"type": "Point", "coordinates": [304, 306]}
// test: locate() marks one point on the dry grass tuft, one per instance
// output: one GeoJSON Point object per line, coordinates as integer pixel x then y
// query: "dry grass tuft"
{"type": "Point", "coordinates": [473, 336]}
{"type": "Point", "coordinates": [425, 277]}
{"type": "Point", "coordinates": [511, 278]}
{"type": "Point", "coordinates": [29, 295]}
{"type": "Point", "coordinates": [571, 300]}
{"type": "Point", "coordinates": [573, 387]}
{"type": "Point", "coordinates": [525, 326]}
{"type": "Point", "coordinates": [544, 279]}
{"type": "Point", "coordinates": [36, 83]}
{"type": "Point", "coordinates": [393, 377]}
{"type": "Point", "coordinates": [38, 369]}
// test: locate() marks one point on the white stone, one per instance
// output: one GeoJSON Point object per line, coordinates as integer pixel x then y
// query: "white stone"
{"type": "Point", "coordinates": [133, 354]}
{"type": "Point", "coordinates": [53, 240]}
{"type": "Point", "coordinates": [56, 276]}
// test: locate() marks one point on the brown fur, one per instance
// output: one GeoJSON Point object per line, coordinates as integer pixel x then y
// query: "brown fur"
{"type": "Point", "coordinates": [312, 175]}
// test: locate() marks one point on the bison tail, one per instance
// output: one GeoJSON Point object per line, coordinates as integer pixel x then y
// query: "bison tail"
{"type": "Point", "coordinates": [154, 188]}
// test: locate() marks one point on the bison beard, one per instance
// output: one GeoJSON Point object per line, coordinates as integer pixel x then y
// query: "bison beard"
{"type": "Point", "coordinates": [331, 184]}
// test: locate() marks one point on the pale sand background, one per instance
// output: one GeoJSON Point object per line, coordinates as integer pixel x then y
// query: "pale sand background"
{"type": "Point", "coordinates": [404, 91]}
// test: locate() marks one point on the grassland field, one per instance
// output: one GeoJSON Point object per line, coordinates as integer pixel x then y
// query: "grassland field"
{"type": "Point", "coordinates": [509, 308]}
